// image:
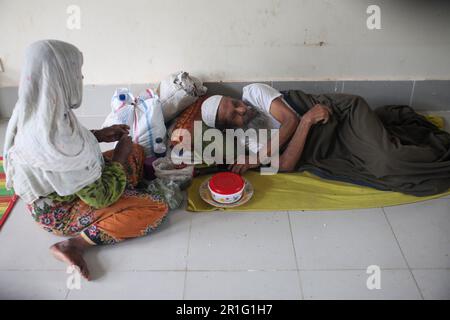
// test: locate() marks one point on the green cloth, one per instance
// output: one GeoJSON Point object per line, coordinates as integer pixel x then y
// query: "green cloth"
{"type": "Point", "coordinates": [390, 147]}
{"type": "Point", "coordinates": [101, 193]}
{"type": "Point", "coordinates": [304, 191]}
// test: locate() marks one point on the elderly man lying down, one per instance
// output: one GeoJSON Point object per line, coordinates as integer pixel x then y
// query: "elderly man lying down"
{"type": "Point", "coordinates": [390, 148]}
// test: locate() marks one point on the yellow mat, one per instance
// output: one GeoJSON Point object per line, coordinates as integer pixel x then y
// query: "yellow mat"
{"type": "Point", "coordinates": [305, 191]}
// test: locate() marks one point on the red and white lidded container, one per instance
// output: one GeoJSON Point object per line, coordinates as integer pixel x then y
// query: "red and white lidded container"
{"type": "Point", "coordinates": [226, 187]}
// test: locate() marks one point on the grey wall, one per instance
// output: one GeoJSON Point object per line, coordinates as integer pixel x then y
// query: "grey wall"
{"type": "Point", "coordinates": [427, 95]}
{"type": "Point", "coordinates": [138, 41]}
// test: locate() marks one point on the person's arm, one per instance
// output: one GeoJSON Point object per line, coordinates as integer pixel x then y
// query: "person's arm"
{"type": "Point", "coordinates": [97, 134]}
{"type": "Point", "coordinates": [294, 150]}
{"type": "Point", "coordinates": [288, 120]}
{"type": "Point", "coordinates": [286, 117]}
{"type": "Point", "coordinates": [122, 150]}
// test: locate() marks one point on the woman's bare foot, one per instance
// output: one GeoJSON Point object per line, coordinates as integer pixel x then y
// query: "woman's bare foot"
{"type": "Point", "coordinates": [71, 252]}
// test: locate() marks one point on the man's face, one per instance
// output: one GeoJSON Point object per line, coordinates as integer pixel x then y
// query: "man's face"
{"type": "Point", "coordinates": [233, 114]}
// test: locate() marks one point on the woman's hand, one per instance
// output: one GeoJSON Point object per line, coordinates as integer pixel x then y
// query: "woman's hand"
{"type": "Point", "coordinates": [112, 133]}
{"type": "Point", "coordinates": [123, 149]}
{"type": "Point", "coordinates": [318, 113]}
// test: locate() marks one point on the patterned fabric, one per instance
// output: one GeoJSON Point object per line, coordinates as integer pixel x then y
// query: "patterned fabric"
{"type": "Point", "coordinates": [136, 212]}
{"type": "Point", "coordinates": [7, 197]}
{"type": "Point", "coordinates": [134, 168]}
{"type": "Point", "coordinates": [103, 192]}
{"type": "Point", "coordinates": [186, 121]}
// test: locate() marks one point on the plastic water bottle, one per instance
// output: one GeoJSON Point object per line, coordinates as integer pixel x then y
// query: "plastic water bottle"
{"type": "Point", "coordinates": [159, 148]}
{"type": "Point", "coordinates": [123, 96]}
{"type": "Point", "coordinates": [121, 102]}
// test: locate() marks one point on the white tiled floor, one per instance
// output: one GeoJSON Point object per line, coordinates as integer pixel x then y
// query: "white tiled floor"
{"type": "Point", "coordinates": [275, 255]}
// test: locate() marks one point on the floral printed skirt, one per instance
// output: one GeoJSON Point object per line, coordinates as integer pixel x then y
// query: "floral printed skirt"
{"type": "Point", "coordinates": [135, 214]}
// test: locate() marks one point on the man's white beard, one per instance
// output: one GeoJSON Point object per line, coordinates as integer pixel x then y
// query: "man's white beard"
{"type": "Point", "coordinates": [259, 121]}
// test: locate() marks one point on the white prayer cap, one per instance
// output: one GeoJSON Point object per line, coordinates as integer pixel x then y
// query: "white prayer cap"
{"type": "Point", "coordinates": [209, 110]}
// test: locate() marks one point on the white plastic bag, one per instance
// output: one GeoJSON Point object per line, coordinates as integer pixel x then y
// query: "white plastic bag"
{"type": "Point", "coordinates": [165, 169]}
{"type": "Point", "coordinates": [178, 92]}
{"type": "Point", "coordinates": [142, 114]}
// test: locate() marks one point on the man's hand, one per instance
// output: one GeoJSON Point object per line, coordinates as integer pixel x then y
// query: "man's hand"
{"type": "Point", "coordinates": [113, 133]}
{"type": "Point", "coordinates": [242, 166]}
{"type": "Point", "coordinates": [123, 149]}
{"type": "Point", "coordinates": [318, 113]}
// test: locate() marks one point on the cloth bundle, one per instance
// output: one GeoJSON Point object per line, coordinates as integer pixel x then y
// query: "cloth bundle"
{"type": "Point", "coordinates": [179, 91]}
{"type": "Point", "coordinates": [142, 114]}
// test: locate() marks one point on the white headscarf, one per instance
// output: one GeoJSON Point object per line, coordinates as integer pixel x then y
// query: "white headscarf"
{"type": "Point", "coordinates": [46, 149]}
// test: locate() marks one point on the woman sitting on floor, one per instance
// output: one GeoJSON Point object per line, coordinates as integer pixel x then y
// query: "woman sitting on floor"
{"type": "Point", "coordinates": [55, 164]}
